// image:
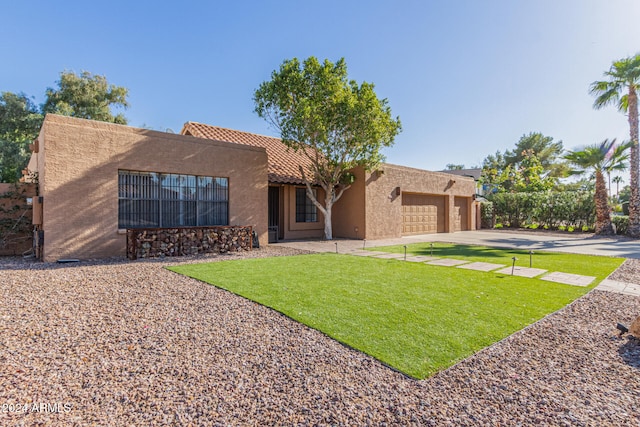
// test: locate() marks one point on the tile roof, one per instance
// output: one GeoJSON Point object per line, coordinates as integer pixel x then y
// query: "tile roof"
{"type": "Point", "coordinates": [283, 161]}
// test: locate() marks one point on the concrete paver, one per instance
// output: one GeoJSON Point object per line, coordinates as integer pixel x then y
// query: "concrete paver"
{"type": "Point", "coordinates": [569, 279]}
{"type": "Point", "coordinates": [386, 255]}
{"type": "Point", "coordinates": [421, 258]}
{"type": "Point", "coordinates": [481, 266]}
{"type": "Point", "coordinates": [447, 262]}
{"type": "Point", "coordinates": [619, 287]}
{"type": "Point", "coordinates": [360, 252]}
{"type": "Point", "coordinates": [522, 271]}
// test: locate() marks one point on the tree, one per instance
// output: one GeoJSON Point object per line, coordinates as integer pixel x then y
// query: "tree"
{"type": "Point", "coordinates": [600, 158]}
{"type": "Point", "coordinates": [86, 96]}
{"type": "Point", "coordinates": [543, 147]}
{"type": "Point", "coordinates": [617, 180]}
{"type": "Point", "coordinates": [336, 123]}
{"type": "Point", "coordinates": [20, 123]}
{"type": "Point", "coordinates": [453, 167]}
{"type": "Point", "coordinates": [620, 89]}
{"type": "Point", "coordinates": [500, 171]}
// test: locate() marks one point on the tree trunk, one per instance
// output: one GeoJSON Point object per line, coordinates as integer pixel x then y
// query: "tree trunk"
{"type": "Point", "coordinates": [634, 198]}
{"type": "Point", "coordinates": [328, 232]}
{"type": "Point", "coordinates": [603, 218]}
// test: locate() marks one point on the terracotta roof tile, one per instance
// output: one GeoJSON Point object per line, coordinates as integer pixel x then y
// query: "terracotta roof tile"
{"type": "Point", "coordinates": [283, 161]}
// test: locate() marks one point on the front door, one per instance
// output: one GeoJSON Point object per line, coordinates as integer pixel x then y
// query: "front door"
{"type": "Point", "coordinates": [274, 214]}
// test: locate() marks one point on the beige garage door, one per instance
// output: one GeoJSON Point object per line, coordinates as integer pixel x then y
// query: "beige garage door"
{"type": "Point", "coordinates": [461, 213]}
{"type": "Point", "coordinates": [422, 213]}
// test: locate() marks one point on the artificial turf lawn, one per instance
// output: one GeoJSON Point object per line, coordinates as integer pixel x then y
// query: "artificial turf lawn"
{"type": "Point", "coordinates": [414, 317]}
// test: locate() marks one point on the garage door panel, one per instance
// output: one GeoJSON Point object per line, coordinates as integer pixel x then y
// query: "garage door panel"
{"type": "Point", "coordinates": [461, 214]}
{"type": "Point", "coordinates": [423, 214]}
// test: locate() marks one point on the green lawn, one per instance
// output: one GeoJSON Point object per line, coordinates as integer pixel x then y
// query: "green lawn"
{"type": "Point", "coordinates": [414, 317]}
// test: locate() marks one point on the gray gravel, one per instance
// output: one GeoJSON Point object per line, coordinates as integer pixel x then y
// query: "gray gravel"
{"type": "Point", "coordinates": [129, 343]}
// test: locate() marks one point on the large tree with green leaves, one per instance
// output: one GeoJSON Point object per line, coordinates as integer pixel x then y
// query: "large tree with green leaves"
{"type": "Point", "coordinates": [620, 89]}
{"type": "Point", "coordinates": [86, 96]}
{"type": "Point", "coordinates": [20, 122]}
{"type": "Point", "coordinates": [544, 148]}
{"type": "Point", "coordinates": [335, 122]}
{"type": "Point", "coordinates": [533, 154]}
{"type": "Point", "coordinates": [600, 158]}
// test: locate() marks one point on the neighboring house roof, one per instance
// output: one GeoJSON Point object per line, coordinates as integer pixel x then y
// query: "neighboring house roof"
{"type": "Point", "coordinates": [283, 161]}
{"type": "Point", "coordinates": [471, 173]}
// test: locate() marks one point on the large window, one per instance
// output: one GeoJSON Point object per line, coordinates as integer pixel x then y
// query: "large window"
{"type": "Point", "coordinates": [155, 200]}
{"type": "Point", "coordinates": [306, 211]}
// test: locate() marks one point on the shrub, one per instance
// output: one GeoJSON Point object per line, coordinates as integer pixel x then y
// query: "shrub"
{"type": "Point", "coordinates": [621, 222]}
{"type": "Point", "coordinates": [550, 209]}
{"type": "Point", "coordinates": [498, 225]}
{"type": "Point", "coordinates": [487, 217]}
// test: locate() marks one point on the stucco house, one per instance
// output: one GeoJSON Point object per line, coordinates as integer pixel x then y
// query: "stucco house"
{"type": "Point", "coordinates": [392, 201]}
{"type": "Point", "coordinates": [96, 180]}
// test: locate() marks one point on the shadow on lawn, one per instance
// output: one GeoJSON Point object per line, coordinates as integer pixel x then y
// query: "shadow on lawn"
{"type": "Point", "coordinates": [472, 251]}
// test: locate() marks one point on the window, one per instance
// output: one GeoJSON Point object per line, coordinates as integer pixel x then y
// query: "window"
{"type": "Point", "coordinates": [306, 211]}
{"type": "Point", "coordinates": [154, 200]}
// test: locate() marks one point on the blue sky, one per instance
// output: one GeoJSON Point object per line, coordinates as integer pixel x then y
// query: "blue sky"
{"type": "Point", "coordinates": [467, 78]}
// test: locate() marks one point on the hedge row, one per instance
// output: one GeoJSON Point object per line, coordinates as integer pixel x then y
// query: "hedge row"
{"type": "Point", "coordinates": [546, 209]}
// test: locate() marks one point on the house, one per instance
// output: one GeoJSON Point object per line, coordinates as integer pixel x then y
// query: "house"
{"type": "Point", "coordinates": [96, 180]}
{"type": "Point", "coordinates": [392, 201]}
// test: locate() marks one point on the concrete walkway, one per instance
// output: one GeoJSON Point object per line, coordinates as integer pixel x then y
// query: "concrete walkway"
{"type": "Point", "coordinates": [578, 243]}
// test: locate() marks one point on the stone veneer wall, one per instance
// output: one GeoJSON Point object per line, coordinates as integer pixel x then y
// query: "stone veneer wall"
{"type": "Point", "coordinates": [160, 242]}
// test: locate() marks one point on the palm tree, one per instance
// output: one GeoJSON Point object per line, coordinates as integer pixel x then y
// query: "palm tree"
{"type": "Point", "coordinates": [621, 90]}
{"type": "Point", "coordinates": [600, 158]}
{"type": "Point", "coordinates": [617, 180]}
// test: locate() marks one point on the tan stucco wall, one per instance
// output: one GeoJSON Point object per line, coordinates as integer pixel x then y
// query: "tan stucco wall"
{"type": "Point", "coordinates": [383, 207]}
{"type": "Point", "coordinates": [299, 230]}
{"type": "Point", "coordinates": [348, 213]}
{"type": "Point", "coordinates": [78, 164]}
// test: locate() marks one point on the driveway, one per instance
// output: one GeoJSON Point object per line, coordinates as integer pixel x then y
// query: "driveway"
{"type": "Point", "coordinates": [537, 240]}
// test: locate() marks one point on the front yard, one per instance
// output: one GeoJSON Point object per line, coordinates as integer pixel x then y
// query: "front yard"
{"type": "Point", "coordinates": [416, 318]}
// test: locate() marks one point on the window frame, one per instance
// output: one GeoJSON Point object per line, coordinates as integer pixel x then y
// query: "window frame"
{"type": "Point", "coordinates": [169, 200]}
{"type": "Point", "coordinates": [307, 211]}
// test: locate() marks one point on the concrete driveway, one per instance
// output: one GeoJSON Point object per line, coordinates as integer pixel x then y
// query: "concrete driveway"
{"type": "Point", "coordinates": [536, 240]}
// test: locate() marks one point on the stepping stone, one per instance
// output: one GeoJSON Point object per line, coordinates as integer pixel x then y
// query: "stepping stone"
{"type": "Point", "coordinates": [619, 287]}
{"type": "Point", "coordinates": [386, 255]}
{"type": "Point", "coordinates": [447, 262]}
{"type": "Point", "coordinates": [360, 252]}
{"type": "Point", "coordinates": [569, 279]}
{"type": "Point", "coordinates": [522, 271]}
{"type": "Point", "coordinates": [481, 266]}
{"type": "Point", "coordinates": [421, 258]}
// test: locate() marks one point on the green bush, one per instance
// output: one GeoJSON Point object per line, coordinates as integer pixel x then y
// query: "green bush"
{"type": "Point", "coordinates": [621, 222]}
{"type": "Point", "coordinates": [487, 217]}
{"type": "Point", "coordinates": [549, 210]}
{"type": "Point", "coordinates": [625, 208]}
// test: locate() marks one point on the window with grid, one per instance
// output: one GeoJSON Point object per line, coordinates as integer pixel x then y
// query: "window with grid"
{"type": "Point", "coordinates": [155, 200]}
{"type": "Point", "coordinates": [306, 211]}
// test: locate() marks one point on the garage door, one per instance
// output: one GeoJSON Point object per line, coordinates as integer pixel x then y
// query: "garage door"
{"type": "Point", "coordinates": [422, 213]}
{"type": "Point", "coordinates": [461, 213]}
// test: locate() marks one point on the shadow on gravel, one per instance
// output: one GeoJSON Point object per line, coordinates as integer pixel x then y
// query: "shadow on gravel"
{"type": "Point", "coordinates": [630, 352]}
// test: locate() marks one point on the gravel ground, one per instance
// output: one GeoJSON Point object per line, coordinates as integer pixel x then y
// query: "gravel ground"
{"type": "Point", "coordinates": [129, 343]}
